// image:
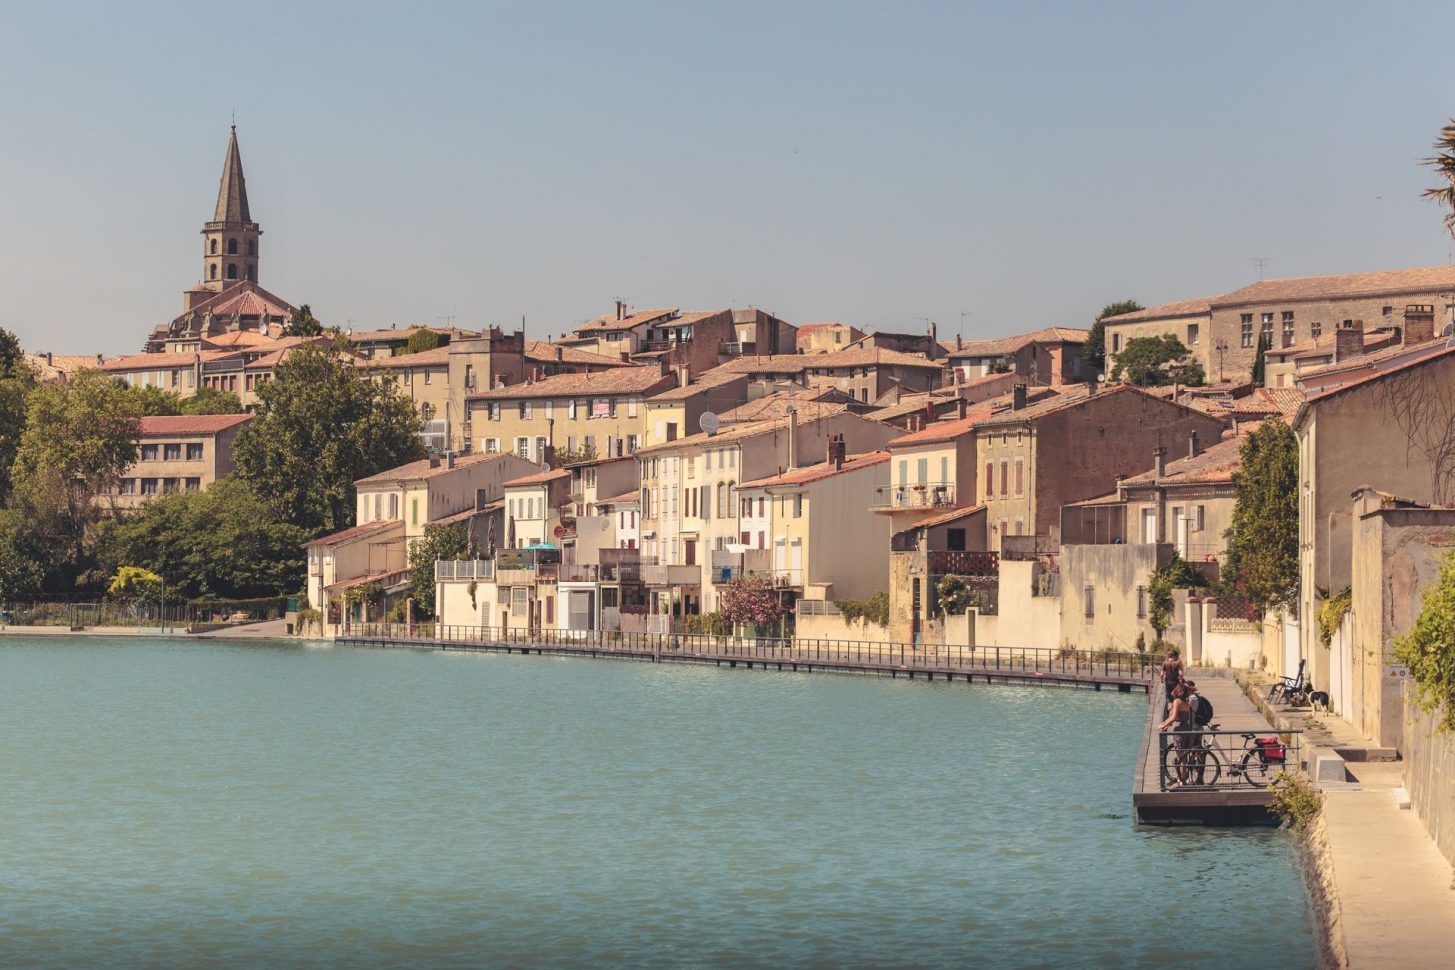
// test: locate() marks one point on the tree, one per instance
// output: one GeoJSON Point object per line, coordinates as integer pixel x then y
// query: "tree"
{"type": "Point", "coordinates": [1443, 162]}
{"type": "Point", "coordinates": [1157, 362]}
{"type": "Point", "coordinates": [209, 400]}
{"type": "Point", "coordinates": [318, 427]}
{"type": "Point", "coordinates": [149, 401]}
{"type": "Point", "coordinates": [1094, 350]}
{"type": "Point", "coordinates": [438, 542]}
{"type": "Point", "coordinates": [1428, 649]}
{"type": "Point", "coordinates": [17, 380]}
{"type": "Point", "coordinates": [1262, 561]}
{"type": "Point", "coordinates": [422, 338]}
{"type": "Point", "coordinates": [568, 456]}
{"type": "Point", "coordinates": [749, 601]}
{"type": "Point", "coordinates": [134, 582]}
{"type": "Point", "coordinates": [24, 557]}
{"type": "Point", "coordinates": [79, 438]}
{"type": "Point", "coordinates": [302, 323]}
{"type": "Point", "coordinates": [1175, 574]}
{"type": "Point", "coordinates": [222, 543]}
{"type": "Point", "coordinates": [1260, 363]}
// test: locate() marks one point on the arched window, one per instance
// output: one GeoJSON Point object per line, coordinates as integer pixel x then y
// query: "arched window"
{"type": "Point", "coordinates": [214, 271]}
{"type": "Point", "coordinates": [232, 247]}
{"type": "Point", "coordinates": [214, 247]}
{"type": "Point", "coordinates": [232, 271]}
{"type": "Point", "coordinates": [253, 273]}
{"type": "Point", "coordinates": [732, 498]}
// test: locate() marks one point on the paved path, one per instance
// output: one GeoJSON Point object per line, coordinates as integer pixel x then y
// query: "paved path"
{"type": "Point", "coordinates": [1396, 900]}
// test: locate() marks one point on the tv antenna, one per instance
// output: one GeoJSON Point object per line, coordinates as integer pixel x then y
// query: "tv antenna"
{"type": "Point", "coordinates": [1261, 262]}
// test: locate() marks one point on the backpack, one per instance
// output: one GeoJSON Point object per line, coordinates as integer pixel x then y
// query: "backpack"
{"type": "Point", "coordinates": [1202, 710]}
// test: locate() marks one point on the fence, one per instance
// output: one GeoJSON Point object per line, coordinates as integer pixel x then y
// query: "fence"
{"type": "Point", "coordinates": [1091, 664]}
{"type": "Point", "coordinates": [194, 616]}
{"type": "Point", "coordinates": [1221, 760]}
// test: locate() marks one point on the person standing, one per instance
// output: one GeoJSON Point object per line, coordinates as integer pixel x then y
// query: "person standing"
{"type": "Point", "coordinates": [1179, 720]}
{"type": "Point", "coordinates": [1172, 673]}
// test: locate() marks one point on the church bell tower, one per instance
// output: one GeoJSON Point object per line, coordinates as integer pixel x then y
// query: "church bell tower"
{"type": "Point", "coordinates": [231, 240]}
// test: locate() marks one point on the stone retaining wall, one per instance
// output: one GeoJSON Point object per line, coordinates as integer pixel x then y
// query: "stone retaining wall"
{"type": "Point", "coordinates": [1429, 770]}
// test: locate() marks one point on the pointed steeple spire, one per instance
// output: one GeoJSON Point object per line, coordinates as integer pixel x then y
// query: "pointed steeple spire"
{"type": "Point", "coordinates": [232, 195]}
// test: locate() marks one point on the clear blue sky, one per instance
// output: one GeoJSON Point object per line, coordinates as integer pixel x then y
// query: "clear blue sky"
{"type": "Point", "coordinates": [871, 163]}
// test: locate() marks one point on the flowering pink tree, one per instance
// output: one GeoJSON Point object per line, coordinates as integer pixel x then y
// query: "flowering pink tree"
{"type": "Point", "coordinates": [750, 601]}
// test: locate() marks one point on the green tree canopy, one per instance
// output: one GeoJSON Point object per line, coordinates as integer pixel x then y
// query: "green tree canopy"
{"type": "Point", "coordinates": [1428, 650]}
{"type": "Point", "coordinates": [148, 401]}
{"type": "Point", "coordinates": [222, 543]}
{"type": "Point", "coordinates": [135, 582]}
{"type": "Point", "coordinates": [1260, 361]}
{"type": "Point", "coordinates": [569, 456]}
{"type": "Point", "coordinates": [438, 542]}
{"type": "Point", "coordinates": [319, 425]}
{"type": "Point", "coordinates": [17, 380]}
{"type": "Point", "coordinates": [302, 323]}
{"type": "Point", "coordinates": [1262, 561]}
{"type": "Point", "coordinates": [209, 400]}
{"type": "Point", "coordinates": [79, 439]}
{"type": "Point", "coordinates": [1094, 351]}
{"type": "Point", "coordinates": [1175, 574]}
{"type": "Point", "coordinates": [422, 338]}
{"type": "Point", "coordinates": [1156, 362]}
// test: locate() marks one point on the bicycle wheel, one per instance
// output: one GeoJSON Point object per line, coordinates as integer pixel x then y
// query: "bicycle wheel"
{"type": "Point", "coordinates": [1205, 768]}
{"type": "Point", "coordinates": [1257, 770]}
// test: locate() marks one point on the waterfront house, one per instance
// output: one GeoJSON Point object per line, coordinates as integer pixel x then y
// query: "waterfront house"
{"type": "Point", "coordinates": [184, 453]}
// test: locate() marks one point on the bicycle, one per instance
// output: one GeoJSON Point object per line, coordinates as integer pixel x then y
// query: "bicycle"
{"type": "Point", "coordinates": [1202, 765]}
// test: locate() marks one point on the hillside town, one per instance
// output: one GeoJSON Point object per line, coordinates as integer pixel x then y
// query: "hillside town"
{"type": "Point", "coordinates": [649, 470]}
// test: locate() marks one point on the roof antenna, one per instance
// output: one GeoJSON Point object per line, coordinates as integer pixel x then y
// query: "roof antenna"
{"type": "Point", "coordinates": [1261, 262]}
{"type": "Point", "coordinates": [234, 119]}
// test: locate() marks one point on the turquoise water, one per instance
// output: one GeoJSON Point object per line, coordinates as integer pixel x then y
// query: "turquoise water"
{"type": "Point", "coordinates": [171, 804]}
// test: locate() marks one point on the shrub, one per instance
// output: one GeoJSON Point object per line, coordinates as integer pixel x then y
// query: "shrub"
{"type": "Point", "coordinates": [1332, 613]}
{"type": "Point", "coordinates": [1428, 650]}
{"type": "Point", "coordinates": [1295, 800]}
{"type": "Point", "coordinates": [875, 609]}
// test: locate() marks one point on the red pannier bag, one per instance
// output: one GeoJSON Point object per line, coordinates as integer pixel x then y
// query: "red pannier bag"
{"type": "Point", "coordinates": [1272, 749]}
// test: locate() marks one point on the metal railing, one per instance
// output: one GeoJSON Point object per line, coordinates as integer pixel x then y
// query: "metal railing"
{"type": "Point", "coordinates": [1216, 760]}
{"type": "Point", "coordinates": [927, 496]}
{"type": "Point", "coordinates": [464, 569]}
{"type": "Point", "coordinates": [943, 562]}
{"type": "Point", "coordinates": [778, 578]}
{"type": "Point", "coordinates": [1032, 662]}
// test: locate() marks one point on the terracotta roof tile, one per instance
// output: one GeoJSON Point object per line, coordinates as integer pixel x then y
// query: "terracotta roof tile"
{"type": "Point", "coordinates": [141, 362]}
{"type": "Point", "coordinates": [356, 532]}
{"type": "Point", "coordinates": [540, 478]}
{"type": "Point", "coordinates": [1214, 464]}
{"type": "Point", "coordinates": [191, 423]}
{"type": "Point", "coordinates": [631, 322]}
{"type": "Point", "coordinates": [1391, 282]}
{"type": "Point", "coordinates": [644, 381]}
{"type": "Point", "coordinates": [437, 357]}
{"type": "Point", "coordinates": [1166, 311]}
{"type": "Point", "coordinates": [940, 518]}
{"type": "Point", "coordinates": [544, 352]}
{"type": "Point", "coordinates": [821, 471]}
{"type": "Point", "coordinates": [1000, 346]}
{"type": "Point", "coordinates": [426, 468]}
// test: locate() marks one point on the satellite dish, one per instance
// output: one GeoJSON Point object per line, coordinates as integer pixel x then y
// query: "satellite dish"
{"type": "Point", "coordinates": [1101, 378]}
{"type": "Point", "coordinates": [709, 422]}
{"type": "Point", "coordinates": [1449, 330]}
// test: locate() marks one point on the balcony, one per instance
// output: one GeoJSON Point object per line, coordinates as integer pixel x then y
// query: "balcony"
{"type": "Point", "coordinates": [652, 346]}
{"type": "Point", "coordinates": [934, 495]}
{"type": "Point", "coordinates": [672, 575]}
{"type": "Point", "coordinates": [457, 569]}
{"type": "Point", "coordinates": [735, 348]}
{"type": "Point", "coordinates": [605, 572]}
{"type": "Point", "coordinates": [778, 578]}
{"type": "Point", "coordinates": [944, 563]}
{"type": "Point", "coordinates": [727, 566]}
{"type": "Point", "coordinates": [521, 576]}
{"type": "Point", "coordinates": [1025, 548]}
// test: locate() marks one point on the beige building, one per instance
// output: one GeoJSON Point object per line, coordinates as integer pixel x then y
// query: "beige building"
{"type": "Point", "coordinates": [1289, 314]}
{"type": "Point", "coordinates": [1070, 448]}
{"type": "Point", "coordinates": [178, 454]}
{"type": "Point", "coordinates": [824, 338]}
{"type": "Point", "coordinates": [689, 506]}
{"type": "Point", "coordinates": [1388, 432]}
{"type": "Point", "coordinates": [677, 411]}
{"type": "Point", "coordinates": [824, 543]}
{"type": "Point", "coordinates": [1051, 355]}
{"type": "Point", "coordinates": [605, 412]}
{"type": "Point", "coordinates": [536, 506]}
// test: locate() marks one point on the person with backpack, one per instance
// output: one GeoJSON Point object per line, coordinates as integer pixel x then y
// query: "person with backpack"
{"type": "Point", "coordinates": [1201, 711]}
{"type": "Point", "coordinates": [1179, 720]}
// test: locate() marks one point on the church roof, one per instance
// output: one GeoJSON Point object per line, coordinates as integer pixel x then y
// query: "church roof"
{"type": "Point", "coordinates": [244, 298]}
{"type": "Point", "coordinates": [232, 194]}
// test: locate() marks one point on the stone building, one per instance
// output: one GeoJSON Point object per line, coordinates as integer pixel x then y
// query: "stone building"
{"type": "Point", "coordinates": [183, 453]}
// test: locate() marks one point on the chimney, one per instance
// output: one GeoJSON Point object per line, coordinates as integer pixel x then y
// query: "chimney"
{"type": "Point", "coordinates": [1018, 397]}
{"type": "Point", "coordinates": [1349, 339]}
{"type": "Point", "coordinates": [48, 359]}
{"type": "Point", "coordinates": [1159, 461]}
{"type": "Point", "coordinates": [933, 351]}
{"type": "Point", "coordinates": [792, 437]}
{"type": "Point", "coordinates": [559, 353]}
{"type": "Point", "coordinates": [961, 408]}
{"type": "Point", "coordinates": [434, 461]}
{"type": "Point", "coordinates": [1419, 324]}
{"type": "Point", "coordinates": [449, 459]}
{"type": "Point", "coordinates": [620, 310]}
{"type": "Point", "coordinates": [1194, 447]}
{"type": "Point", "coordinates": [959, 343]}
{"type": "Point", "coordinates": [684, 376]}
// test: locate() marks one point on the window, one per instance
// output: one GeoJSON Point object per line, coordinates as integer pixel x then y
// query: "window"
{"type": "Point", "coordinates": [1090, 602]}
{"type": "Point", "coordinates": [1199, 513]}
{"type": "Point", "coordinates": [214, 247]}
{"type": "Point", "coordinates": [148, 452]}
{"type": "Point", "coordinates": [495, 411]}
{"type": "Point", "coordinates": [1268, 325]}
{"type": "Point", "coordinates": [1116, 343]}
{"type": "Point", "coordinates": [903, 472]}
{"type": "Point", "coordinates": [631, 443]}
{"type": "Point", "coordinates": [540, 449]}
{"type": "Point", "coordinates": [762, 508]}
{"type": "Point", "coordinates": [172, 452]}
{"type": "Point", "coordinates": [128, 486]}
{"type": "Point", "coordinates": [1316, 330]}
{"type": "Point", "coordinates": [428, 376]}
{"type": "Point", "coordinates": [732, 491]}
{"type": "Point", "coordinates": [1004, 477]}
{"type": "Point", "coordinates": [522, 447]}
{"type": "Point", "coordinates": [232, 247]}
{"type": "Point", "coordinates": [232, 271]}
{"type": "Point", "coordinates": [722, 504]}
{"type": "Point", "coordinates": [989, 479]}
{"type": "Point", "coordinates": [798, 505]}
{"type": "Point", "coordinates": [1287, 327]}
{"type": "Point", "coordinates": [1246, 336]}
{"type": "Point", "coordinates": [170, 485]}
{"type": "Point", "coordinates": [213, 271]}
{"type": "Point", "coordinates": [955, 540]}
{"type": "Point", "coordinates": [193, 484]}
{"type": "Point", "coordinates": [1193, 331]}
{"type": "Point", "coordinates": [523, 409]}
{"type": "Point", "coordinates": [1141, 602]}
{"type": "Point", "coordinates": [149, 486]}
{"type": "Point", "coordinates": [922, 469]}
{"type": "Point", "coordinates": [393, 506]}
{"type": "Point", "coordinates": [492, 445]}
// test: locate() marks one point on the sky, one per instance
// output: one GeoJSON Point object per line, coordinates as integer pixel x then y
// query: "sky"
{"type": "Point", "coordinates": [994, 168]}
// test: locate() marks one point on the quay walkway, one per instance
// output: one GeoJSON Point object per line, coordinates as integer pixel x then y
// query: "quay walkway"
{"type": "Point", "coordinates": [1234, 784]}
{"type": "Point", "coordinates": [1095, 670]}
